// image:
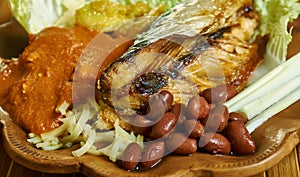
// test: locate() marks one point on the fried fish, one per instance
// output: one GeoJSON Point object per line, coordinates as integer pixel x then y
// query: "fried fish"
{"type": "Point", "coordinates": [196, 45]}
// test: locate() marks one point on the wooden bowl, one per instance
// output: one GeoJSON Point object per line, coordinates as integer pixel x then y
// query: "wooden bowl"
{"type": "Point", "coordinates": [275, 139]}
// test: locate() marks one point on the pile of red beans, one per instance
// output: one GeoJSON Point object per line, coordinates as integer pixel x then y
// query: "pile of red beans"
{"type": "Point", "coordinates": [204, 124]}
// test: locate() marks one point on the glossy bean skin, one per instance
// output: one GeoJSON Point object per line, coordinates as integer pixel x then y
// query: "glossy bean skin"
{"type": "Point", "coordinates": [168, 98]}
{"type": "Point", "coordinates": [131, 156]}
{"type": "Point", "coordinates": [198, 107]}
{"type": "Point", "coordinates": [216, 143]}
{"type": "Point", "coordinates": [241, 141]}
{"type": "Point", "coordinates": [237, 116]}
{"type": "Point", "coordinates": [152, 154]}
{"type": "Point", "coordinates": [178, 143]}
{"type": "Point", "coordinates": [219, 94]}
{"type": "Point", "coordinates": [181, 112]}
{"type": "Point", "coordinates": [141, 125]}
{"type": "Point", "coordinates": [217, 119]}
{"type": "Point", "coordinates": [164, 126]}
{"type": "Point", "coordinates": [156, 108]}
{"type": "Point", "coordinates": [194, 128]}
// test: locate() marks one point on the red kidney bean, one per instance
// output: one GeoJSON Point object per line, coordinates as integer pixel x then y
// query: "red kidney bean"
{"type": "Point", "coordinates": [180, 111]}
{"type": "Point", "coordinates": [179, 143]}
{"type": "Point", "coordinates": [241, 141]}
{"type": "Point", "coordinates": [163, 126]}
{"type": "Point", "coordinates": [168, 98]}
{"type": "Point", "coordinates": [131, 156]}
{"type": "Point", "coordinates": [221, 109]}
{"type": "Point", "coordinates": [156, 108]}
{"type": "Point", "coordinates": [141, 125]}
{"type": "Point", "coordinates": [215, 143]}
{"type": "Point", "coordinates": [219, 94]}
{"type": "Point", "coordinates": [217, 118]}
{"type": "Point", "coordinates": [152, 154]}
{"type": "Point", "coordinates": [198, 107]}
{"type": "Point", "coordinates": [238, 116]}
{"type": "Point", "coordinates": [177, 109]}
{"type": "Point", "coordinates": [194, 128]}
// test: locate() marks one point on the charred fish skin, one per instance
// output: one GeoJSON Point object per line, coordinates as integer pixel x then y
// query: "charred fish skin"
{"type": "Point", "coordinates": [152, 68]}
{"type": "Point", "coordinates": [193, 17]}
{"type": "Point", "coordinates": [187, 48]}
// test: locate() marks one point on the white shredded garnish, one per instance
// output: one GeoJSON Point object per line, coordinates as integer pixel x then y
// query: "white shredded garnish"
{"type": "Point", "coordinates": [63, 108]}
{"type": "Point", "coordinates": [3, 66]}
{"type": "Point", "coordinates": [91, 134]}
{"type": "Point", "coordinates": [75, 128]}
{"type": "Point", "coordinates": [120, 142]}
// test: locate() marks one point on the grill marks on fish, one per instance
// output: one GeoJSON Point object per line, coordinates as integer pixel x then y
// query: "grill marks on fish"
{"type": "Point", "coordinates": [150, 83]}
{"type": "Point", "coordinates": [219, 33]}
{"type": "Point", "coordinates": [160, 61]}
{"type": "Point", "coordinates": [184, 64]}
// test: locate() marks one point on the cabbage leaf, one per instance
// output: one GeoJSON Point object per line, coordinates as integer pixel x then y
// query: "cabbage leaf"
{"type": "Point", "coordinates": [274, 17]}
{"type": "Point", "coordinates": [35, 15]}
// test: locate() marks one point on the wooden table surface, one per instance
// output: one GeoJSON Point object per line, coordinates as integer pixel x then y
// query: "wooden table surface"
{"type": "Point", "coordinates": [287, 167]}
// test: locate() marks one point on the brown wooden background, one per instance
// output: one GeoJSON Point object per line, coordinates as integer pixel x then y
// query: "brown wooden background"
{"type": "Point", "coordinates": [288, 167]}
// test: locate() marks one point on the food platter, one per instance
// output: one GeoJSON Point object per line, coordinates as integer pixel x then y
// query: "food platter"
{"type": "Point", "coordinates": [275, 139]}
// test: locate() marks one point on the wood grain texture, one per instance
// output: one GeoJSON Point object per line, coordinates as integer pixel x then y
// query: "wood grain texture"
{"type": "Point", "coordinates": [263, 174]}
{"type": "Point", "coordinates": [5, 159]}
{"type": "Point", "coordinates": [284, 168]}
{"type": "Point", "coordinates": [5, 163]}
{"type": "Point", "coordinates": [298, 153]}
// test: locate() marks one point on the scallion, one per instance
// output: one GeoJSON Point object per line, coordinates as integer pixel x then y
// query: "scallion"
{"type": "Point", "coordinates": [270, 94]}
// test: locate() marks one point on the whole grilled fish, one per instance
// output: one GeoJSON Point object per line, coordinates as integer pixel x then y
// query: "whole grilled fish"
{"type": "Point", "coordinates": [196, 45]}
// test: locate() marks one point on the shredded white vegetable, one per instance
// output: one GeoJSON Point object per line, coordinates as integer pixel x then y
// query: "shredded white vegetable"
{"type": "Point", "coordinates": [63, 108]}
{"type": "Point", "coordinates": [120, 142]}
{"type": "Point", "coordinates": [75, 128]}
{"type": "Point", "coordinates": [91, 134]}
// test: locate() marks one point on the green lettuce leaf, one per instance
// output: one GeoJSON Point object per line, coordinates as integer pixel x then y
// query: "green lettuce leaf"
{"type": "Point", "coordinates": [274, 18]}
{"type": "Point", "coordinates": [35, 15]}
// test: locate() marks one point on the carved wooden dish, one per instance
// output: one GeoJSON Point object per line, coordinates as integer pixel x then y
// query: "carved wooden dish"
{"type": "Point", "coordinates": [275, 139]}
